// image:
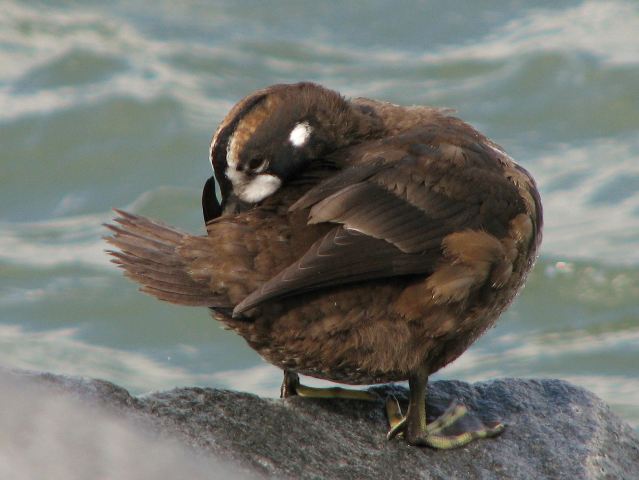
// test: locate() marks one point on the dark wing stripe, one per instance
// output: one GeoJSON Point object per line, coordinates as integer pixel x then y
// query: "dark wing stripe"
{"type": "Point", "coordinates": [351, 255]}
{"type": "Point", "coordinates": [381, 214]}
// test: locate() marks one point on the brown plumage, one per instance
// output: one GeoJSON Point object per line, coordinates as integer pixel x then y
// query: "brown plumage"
{"type": "Point", "coordinates": [394, 236]}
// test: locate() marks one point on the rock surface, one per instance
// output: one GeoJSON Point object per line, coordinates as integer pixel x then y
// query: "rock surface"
{"type": "Point", "coordinates": [555, 430]}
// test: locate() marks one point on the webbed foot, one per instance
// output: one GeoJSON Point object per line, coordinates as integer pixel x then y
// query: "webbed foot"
{"type": "Point", "coordinates": [433, 434]}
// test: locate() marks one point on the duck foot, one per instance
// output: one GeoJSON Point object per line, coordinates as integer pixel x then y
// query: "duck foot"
{"type": "Point", "coordinates": [291, 386]}
{"type": "Point", "coordinates": [433, 434]}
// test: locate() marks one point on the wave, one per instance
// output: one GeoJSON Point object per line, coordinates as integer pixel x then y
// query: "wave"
{"type": "Point", "coordinates": [51, 243]}
{"type": "Point", "coordinates": [77, 239]}
{"type": "Point", "coordinates": [586, 28]}
{"type": "Point", "coordinates": [591, 200]}
{"type": "Point", "coordinates": [145, 65]}
{"type": "Point", "coordinates": [61, 351]}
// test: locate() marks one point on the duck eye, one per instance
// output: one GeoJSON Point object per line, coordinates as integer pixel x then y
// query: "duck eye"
{"type": "Point", "coordinates": [256, 162]}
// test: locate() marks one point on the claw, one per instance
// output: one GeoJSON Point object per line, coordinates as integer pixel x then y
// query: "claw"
{"type": "Point", "coordinates": [396, 419]}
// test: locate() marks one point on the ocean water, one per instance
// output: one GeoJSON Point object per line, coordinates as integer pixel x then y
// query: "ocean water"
{"type": "Point", "coordinates": [105, 107]}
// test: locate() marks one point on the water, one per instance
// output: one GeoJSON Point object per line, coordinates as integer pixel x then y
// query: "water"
{"type": "Point", "coordinates": [104, 107]}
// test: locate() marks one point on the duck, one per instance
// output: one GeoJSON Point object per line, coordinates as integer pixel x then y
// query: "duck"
{"type": "Point", "coordinates": [353, 240]}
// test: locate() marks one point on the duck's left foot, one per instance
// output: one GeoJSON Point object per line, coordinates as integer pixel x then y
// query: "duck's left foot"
{"type": "Point", "coordinates": [291, 386]}
{"type": "Point", "coordinates": [432, 435]}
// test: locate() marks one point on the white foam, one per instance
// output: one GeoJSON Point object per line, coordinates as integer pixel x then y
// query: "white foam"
{"type": "Point", "coordinates": [61, 351]}
{"type": "Point", "coordinates": [149, 72]}
{"type": "Point", "coordinates": [77, 240]}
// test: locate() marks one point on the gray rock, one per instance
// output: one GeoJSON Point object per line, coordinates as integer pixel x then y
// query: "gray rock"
{"type": "Point", "coordinates": [555, 430]}
{"type": "Point", "coordinates": [54, 427]}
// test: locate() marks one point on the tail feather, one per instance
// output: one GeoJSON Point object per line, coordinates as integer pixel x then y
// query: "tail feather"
{"type": "Point", "coordinates": [150, 254]}
{"type": "Point", "coordinates": [121, 259]}
{"type": "Point", "coordinates": [143, 249]}
{"type": "Point", "coordinates": [158, 230]}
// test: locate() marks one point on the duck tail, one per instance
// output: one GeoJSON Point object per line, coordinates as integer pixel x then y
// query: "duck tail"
{"type": "Point", "coordinates": [149, 253]}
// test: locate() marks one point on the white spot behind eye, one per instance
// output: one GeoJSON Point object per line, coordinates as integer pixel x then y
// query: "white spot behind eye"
{"type": "Point", "coordinates": [300, 134]}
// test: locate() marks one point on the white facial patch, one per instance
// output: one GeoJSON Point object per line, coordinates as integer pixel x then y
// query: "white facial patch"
{"type": "Point", "coordinates": [300, 134]}
{"type": "Point", "coordinates": [231, 160]}
{"type": "Point", "coordinates": [237, 178]}
{"type": "Point", "coordinates": [259, 187]}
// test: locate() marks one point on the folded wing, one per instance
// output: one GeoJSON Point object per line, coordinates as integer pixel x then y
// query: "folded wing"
{"type": "Point", "coordinates": [391, 217]}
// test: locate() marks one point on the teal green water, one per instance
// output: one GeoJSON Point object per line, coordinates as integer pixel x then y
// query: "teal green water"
{"type": "Point", "coordinates": [114, 107]}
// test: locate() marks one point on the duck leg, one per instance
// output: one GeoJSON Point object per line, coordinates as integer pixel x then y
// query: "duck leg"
{"type": "Point", "coordinates": [418, 432]}
{"type": "Point", "coordinates": [413, 425]}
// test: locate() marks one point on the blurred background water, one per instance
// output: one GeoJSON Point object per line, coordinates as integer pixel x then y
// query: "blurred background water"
{"type": "Point", "coordinates": [114, 106]}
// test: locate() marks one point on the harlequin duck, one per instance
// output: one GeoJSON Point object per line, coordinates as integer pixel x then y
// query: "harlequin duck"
{"type": "Point", "coordinates": [356, 241]}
